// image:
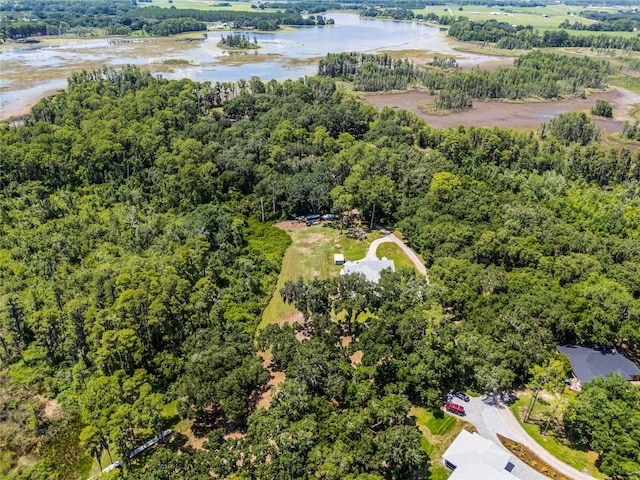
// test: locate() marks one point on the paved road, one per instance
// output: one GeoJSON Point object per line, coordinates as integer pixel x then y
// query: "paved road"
{"type": "Point", "coordinates": [491, 416]}
{"type": "Point", "coordinates": [520, 435]}
{"type": "Point", "coordinates": [484, 415]}
{"type": "Point", "coordinates": [390, 237]}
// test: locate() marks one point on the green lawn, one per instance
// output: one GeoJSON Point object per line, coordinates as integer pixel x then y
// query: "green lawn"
{"type": "Point", "coordinates": [438, 430]}
{"type": "Point", "coordinates": [395, 253]}
{"type": "Point", "coordinates": [541, 18]}
{"type": "Point", "coordinates": [201, 5]}
{"type": "Point", "coordinates": [311, 256]}
{"type": "Point", "coordinates": [578, 459]}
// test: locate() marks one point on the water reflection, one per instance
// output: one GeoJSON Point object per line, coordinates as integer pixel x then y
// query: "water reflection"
{"type": "Point", "coordinates": [29, 72]}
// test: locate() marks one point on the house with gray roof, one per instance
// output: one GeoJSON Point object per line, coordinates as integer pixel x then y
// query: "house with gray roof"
{"type": "Point", "coordinates": [369, 267]}
{"type": "Point", "coordinates": [588, 363]}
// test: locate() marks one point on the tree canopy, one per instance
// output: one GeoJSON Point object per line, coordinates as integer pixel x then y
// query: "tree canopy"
{"type": "Point", "coordinates": [135, 267]}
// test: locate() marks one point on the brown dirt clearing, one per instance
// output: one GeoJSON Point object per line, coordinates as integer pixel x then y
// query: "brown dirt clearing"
{"type": "Point", "coordinates": [526, 116]}
{"type": "Point", "coordinates": [291, 225]}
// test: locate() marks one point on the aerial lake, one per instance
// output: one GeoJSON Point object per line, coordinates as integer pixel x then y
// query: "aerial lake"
{"type": "Point", "coordinates": [28, 72]}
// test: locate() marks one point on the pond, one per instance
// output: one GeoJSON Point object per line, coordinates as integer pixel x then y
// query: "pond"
{"type": "Point", "coordinates": [29, 72]}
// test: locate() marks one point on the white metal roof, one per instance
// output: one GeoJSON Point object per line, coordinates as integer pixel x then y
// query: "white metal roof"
{"type": "Point", "coordinates": [480, 472]}
{"type": "Point", "coordinates": [369, 268]}
{"type": "Point", "coordinates": [472, 455]}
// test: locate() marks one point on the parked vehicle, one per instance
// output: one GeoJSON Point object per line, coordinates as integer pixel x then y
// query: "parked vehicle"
{"type": "Point", "coordinates": [460, 395]}
{"type": "Point", "coordinates": [455, 408]}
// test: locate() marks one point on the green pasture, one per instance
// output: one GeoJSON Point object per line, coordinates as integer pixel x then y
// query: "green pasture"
{"type": "Point", "coordinates": [543, 409]}
{"type": "Point", "coordinates": [311, 256]}
{"type": "Point", "coordinates": [202, 5]}
{"type": "Point", "coordinates": [541, 18]}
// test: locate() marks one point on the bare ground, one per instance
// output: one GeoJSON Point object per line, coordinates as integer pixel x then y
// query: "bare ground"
{"type": "Point", "coordinates": [525, 116]}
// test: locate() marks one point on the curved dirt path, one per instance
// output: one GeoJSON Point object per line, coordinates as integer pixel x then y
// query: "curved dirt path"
{"type": "Point", "coordinates": [390, 237]}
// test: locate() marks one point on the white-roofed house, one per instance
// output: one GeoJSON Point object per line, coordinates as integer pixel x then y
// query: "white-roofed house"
{"type": "Point", "coordinates": [472, 457]}
{"type": "Point", "coordinates": [370, 268]}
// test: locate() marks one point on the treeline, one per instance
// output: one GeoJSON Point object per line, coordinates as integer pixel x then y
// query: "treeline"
{"type": "Point", "coordinates": [619, 25]}
{"type": "Point", "coordinates": [172, 26]}
{"type": "Point", "coordinates": [395, 13]}
{"type": "Point", "coordinates": [19, 20]}
{"type": "Point", "coordinates": [536, 74]}
{"type": "Point", "coordinates": [120, 18]}
{"type": "Point", "coordinates": [134, 271]}
{"type": "Point", "coordinates": [370, 72]}
{"type": "Point", "coordinates": [509, 37]}
{"type": "Point", "coordinates": [238, 40]}
{"type": "Point", "coordinates": [257, 20]}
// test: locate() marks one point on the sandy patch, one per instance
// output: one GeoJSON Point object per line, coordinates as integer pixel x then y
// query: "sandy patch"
{"type": "Point", "coordinates": [51, 409]}
{"type": "Point", "coordinates": [528, 116]}
{"type": "Point", "coordinates": [356, 358]}
{"type": "Point", "coordinates": [265, 399]}
{"type": "Point", "coordinates": [196, 442]}
{"type": "Point", "coordinates": [295, 318]}
{"type": "Point", "coordinates": [291, 225]}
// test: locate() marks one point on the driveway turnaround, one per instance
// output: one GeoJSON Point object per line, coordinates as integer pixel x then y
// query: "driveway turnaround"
{"type": "Point", "coordinates": [390, 237]}
{"type": "Point", "coordinates": [491, 416]}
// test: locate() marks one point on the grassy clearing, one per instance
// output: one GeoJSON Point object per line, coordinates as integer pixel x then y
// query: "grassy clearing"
{"type": "Point", "coordinates": [627, 82]}
{"type": "Point", "coordinates": [311, 256]}
{"type": "Point", "coordinates": [201, 5]}
{"type": "Point", "coordinates": [438, 430]}
{"type": "Point", "coordinates": [395, 253]}
{"type": "Point", "coordinates": [541, 18]}
{"type": "Point", "coordinates": [543, 409]}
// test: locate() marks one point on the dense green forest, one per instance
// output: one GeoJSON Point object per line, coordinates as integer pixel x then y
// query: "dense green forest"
{"type": "Point", "coordinates": [19, 20]}
{"type": "Point", "coordinates": [134, 271]}
{"type": "Point", "coordinates": [534, 75]}
{"type": "Point", "coordinates": [606, 21]}
{"type": "Point", "coordinates": [505, 35]}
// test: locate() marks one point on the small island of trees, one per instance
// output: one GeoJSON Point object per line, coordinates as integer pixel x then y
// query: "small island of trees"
{"type": "Point", "coordinates": [239, 41]}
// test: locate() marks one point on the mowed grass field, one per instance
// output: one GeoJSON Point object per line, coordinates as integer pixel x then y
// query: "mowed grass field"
{"type": "Point", "coordinates": [395, 253]}
{"type": "Point", "coordinates": [540, 18]}
{"type": "Point", "coordinates": [201, 5]}
{"type": "Point", "coordinates": [311, 256]}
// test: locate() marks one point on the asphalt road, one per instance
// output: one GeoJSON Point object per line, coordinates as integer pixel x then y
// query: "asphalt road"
{"type": "Point", "coordinates": [390, 237]}
{"type": "Point", "coordinates": [491, 416]}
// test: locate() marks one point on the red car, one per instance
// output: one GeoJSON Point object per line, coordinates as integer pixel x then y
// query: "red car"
{"type": "Point", "coordinates": [455, 408]}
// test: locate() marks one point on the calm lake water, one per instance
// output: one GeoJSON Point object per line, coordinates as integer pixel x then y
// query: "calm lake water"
{"type": "Point", "coordinates": [29, 72]}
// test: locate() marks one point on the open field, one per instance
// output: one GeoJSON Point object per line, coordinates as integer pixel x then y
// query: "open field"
{"type": "Point", "coordinates": [522, 115]}
{"type": "Point", "coordinates": [578, 459]}
{"type": "Point", "coordinates": [201, 5]}
{"type": "Point", "coordinates": [311, 256]}
{"type": "Point", "coordinates": [395, 253]}
{"type": "Point", "coordinates": [540, 18]}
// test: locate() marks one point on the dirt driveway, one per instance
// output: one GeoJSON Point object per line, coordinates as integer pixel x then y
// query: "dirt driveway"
{"type": "Point", "coordinates": [525, 116]}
